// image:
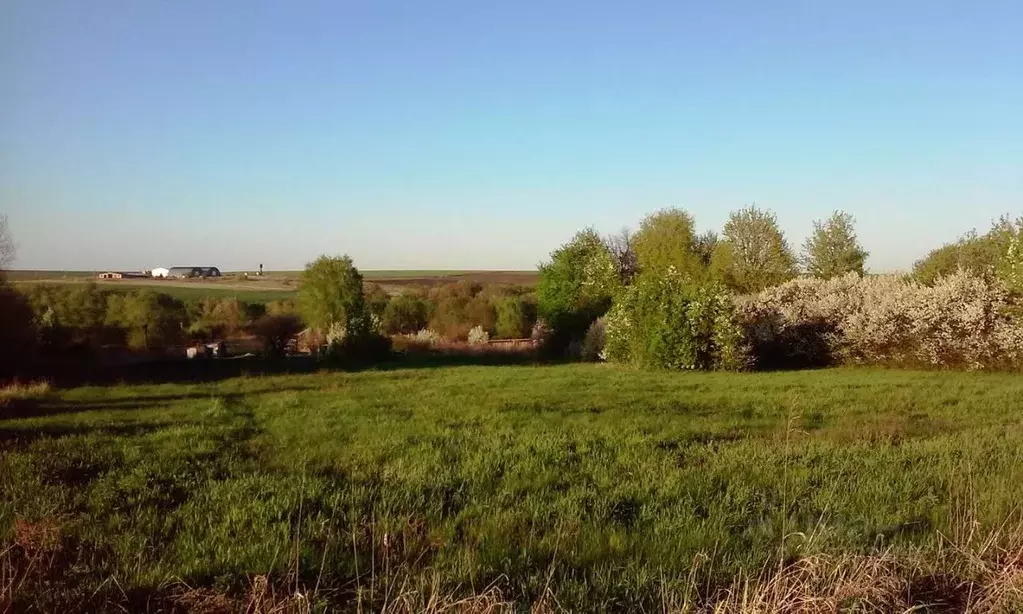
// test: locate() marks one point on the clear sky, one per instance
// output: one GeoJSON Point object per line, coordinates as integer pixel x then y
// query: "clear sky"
{"type": "Point", "coordinates": [472, 135]}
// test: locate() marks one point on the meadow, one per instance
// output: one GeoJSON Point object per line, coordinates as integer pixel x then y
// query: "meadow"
{"type": "Point", "coordinates": [581, 486]}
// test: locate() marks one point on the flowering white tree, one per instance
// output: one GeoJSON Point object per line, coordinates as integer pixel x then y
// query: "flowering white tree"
{"type": "Point", "coordinates": [7, 251]}
{"type": "Point", "coordinates": [962, 321]}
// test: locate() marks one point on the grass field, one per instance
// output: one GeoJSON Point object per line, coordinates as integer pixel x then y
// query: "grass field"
{"type": "Point", "coordinates": [605, 487]}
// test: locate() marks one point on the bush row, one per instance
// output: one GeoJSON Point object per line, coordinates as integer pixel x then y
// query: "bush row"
{"type": "Point", "coordinates": [961, 321]}
{"type": "Point", "coordinates": [453, 310]}
{"type": "Point", "coordinates": [85, 317]}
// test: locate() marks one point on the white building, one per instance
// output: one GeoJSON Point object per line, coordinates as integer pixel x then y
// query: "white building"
{"type": "Point", "coordinates": [161, 272]}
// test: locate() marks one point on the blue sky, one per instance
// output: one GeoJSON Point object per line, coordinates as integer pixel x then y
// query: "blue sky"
{"type": "Point", "coordinates": [143, 133]}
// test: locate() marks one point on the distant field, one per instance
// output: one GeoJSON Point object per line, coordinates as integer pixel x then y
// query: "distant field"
{"type": "Point", "coordinates": [406, 277]}
{"type": "Point", "coordinates": [48, 275]}
{"type": "Point", "coordinates": [613, 489]}
{"type": "Point", "coordinates": [271, 286]}
{"type": "Point", "coordinates": [255, 292]}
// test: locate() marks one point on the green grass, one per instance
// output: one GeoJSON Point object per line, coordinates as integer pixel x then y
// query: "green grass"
{"type": "Point", "coordinates": [601, 483]}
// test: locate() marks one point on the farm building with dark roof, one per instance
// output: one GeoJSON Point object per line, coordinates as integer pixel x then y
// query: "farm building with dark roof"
{"type": "Point", "coordinates": [193, 271]}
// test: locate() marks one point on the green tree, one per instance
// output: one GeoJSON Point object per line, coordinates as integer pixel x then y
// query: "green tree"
{"type": "Point", "coordinates": [513, 321]}
{"type": "Point", "coordinates": [753, 253]}
{"type": "Point", "coordinates": [480, 312]}
{"type": "Point", "coordinates": [212, 317]}
{"type": "Point", "coordinates": [330, 295]}
{"type": "Point", "coordinates": [576, 287]}
{"type": "Point", "coordinates": [71, 315]}
{"type": "Point", "coordinates": [449, 308]}
{"type": "Point", "coordinates": [153, 320]}
{"type": "Point", "coordinates": [404, 314]}
{"type": "Point", "coordinates": [833, 250]}
{"type": "Point", "coordinates": [983, 255]}
{"type": "Point", "coordinates": [667, 238]}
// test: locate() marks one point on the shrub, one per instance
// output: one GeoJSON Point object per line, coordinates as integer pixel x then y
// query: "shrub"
{"type": "Point", "coordinates": [275, 331]}
{"type": "Point", "coordinates": [478, 336]}
{"type": "Point", "coordinates": [962, 321]}
{"type": "Point", "coordinates": [668, 321]}
{"type": "Point", "coordinates": [364, 348]}
{"type": "Point", "coordinates": [426, 337]}
{"type": "Point", "coordinates": [281, 307]}
{"type": "Point", "coordinates": [17, 330]}
{"type": "Point", "coordinates": [540, 334]}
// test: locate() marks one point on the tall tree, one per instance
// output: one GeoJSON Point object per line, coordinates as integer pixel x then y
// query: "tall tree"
{"type": "Point", "coordinates": [667, 238]}
{"type": "Point", "coordinates": [330, 294]}
{"type": "Point", "coordinates": [980, 254]}
{"type": "Point", "coordinates": [623, 254]}
{"type": "Point", "coordinates": [576, 287]}
{"type": "Point", "coordinates": [833, 250]}
{"type": "Point", "coordinates": [705, 245]}
{"type": "Point", "coordinates": [753, 253]}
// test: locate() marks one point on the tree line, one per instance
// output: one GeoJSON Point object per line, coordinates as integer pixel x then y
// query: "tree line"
{"type": "Point", "coordinates": [669, 279]}
{"type": "Point", "coordinates": [678, 284]}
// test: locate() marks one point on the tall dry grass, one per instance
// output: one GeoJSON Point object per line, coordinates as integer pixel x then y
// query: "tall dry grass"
{"type": "Point", "coordinates": [968, 573]}
{"type": "Point", "coordinates": [23, 391]}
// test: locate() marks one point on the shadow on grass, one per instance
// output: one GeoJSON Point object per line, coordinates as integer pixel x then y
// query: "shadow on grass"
{"type": "Point", "coordinates": [202, 371]}
{"type": "Point", "coordinates": [54, 406]}
{"type": "Point", "coordinates": [27, 435]}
